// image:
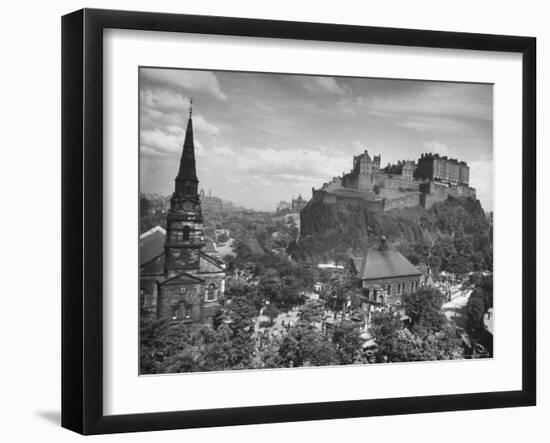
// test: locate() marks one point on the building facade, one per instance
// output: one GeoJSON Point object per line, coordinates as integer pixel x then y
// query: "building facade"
{"type": "Point", "coordinates": [444, 169]}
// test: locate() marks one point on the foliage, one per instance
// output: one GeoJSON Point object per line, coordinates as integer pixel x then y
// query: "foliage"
{"type": "Point", "coordinates": [475, 310]}
{"type": "Point", "coordinates": [305, 346]}
{"type": "Point", "coordinates": [168, 347]}
{"type": "Point", "coordinates": [346, 342]}
{"type": "Point", "coordinates": [339, 290]}
{"type": "Point", "coordinates": [312, 312]}
{"type": "Point", "coordinates": [271, 311]}
{"type": "Point", "coordinates": [424, 308]}
{"type": "Point", "coordinates": [399, 344]}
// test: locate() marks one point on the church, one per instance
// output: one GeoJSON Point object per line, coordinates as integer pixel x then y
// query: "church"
{"type": "Point", "coordinates": [179, 278]}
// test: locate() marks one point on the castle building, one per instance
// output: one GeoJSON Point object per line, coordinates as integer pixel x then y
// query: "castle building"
{"type": "Point", "coordinates": [404, 185]}
{"type": "Point", "coordinates": [177, 275]}
{"type": "Point", "coordinates": [444, 169]}
{"type": "Point", "coordinates": [363, 173]}
{"type": "Point", "coordinates": [385, 275]}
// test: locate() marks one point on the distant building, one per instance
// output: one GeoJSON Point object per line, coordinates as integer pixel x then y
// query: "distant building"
{"type": "Point", "coordinates": [210, 204]}
{"type": "Point", "coordinates": [384, 274]}
{"type": "Point", "coordinates": [298, 204]}
{"type": "Point", "coordinates": [283, 207]}
{"type": "Point", "coordinates": [178, 277]}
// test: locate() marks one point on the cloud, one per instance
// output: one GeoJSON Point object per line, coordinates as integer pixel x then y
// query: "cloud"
{"type": "Point", "coordinates": [326, 84]}
{"type": "Point", "coordinates": [159, 143]}
{"type": "Point", "coordinates": [481, 178]}
{"type": "Point", "coordinates": [286, 164]}
{"type": "Point", "coordinates": [184, 79]}
{"type": "Point", "coordinates": [163, 100]}
{"type": "Point", "coordinates": [435, 99]}
{"type": "Point", "coordinates": [436, 147]}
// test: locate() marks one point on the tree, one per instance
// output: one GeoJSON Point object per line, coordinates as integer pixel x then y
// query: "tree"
{"type": "Point", "coordinates": [271, 311]}
{"type": "Point", "coordinates": [312, 312]}
{"type": "Point", "coordinates": [399, 344]}
{"type": "Point", "coordinates": [475, 310]}
{"type": "Point", "coordinates": [305, 346]}
{"type": "Point", "coordinates": [338, 291]}
{"type": "Point", "coordinates": [424, 308]}
{"type": "Point", "coordinates": [346, 342]}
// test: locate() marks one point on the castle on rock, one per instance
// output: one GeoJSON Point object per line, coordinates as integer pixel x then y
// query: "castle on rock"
{"type": "Point", "coordinates": [432, 179]}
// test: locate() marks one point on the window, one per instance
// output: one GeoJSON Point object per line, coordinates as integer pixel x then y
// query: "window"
{"type": "Point", "coordinates": [388, 289]}
{"type": "Point", "coordinates": [211, 292]}
{"type": "Point", "coordinates": [188, 309]}
{"type": "Point", "coordinates": [399, 288]}
{"type": "Point", "coordinates": [182, 291]}
{"type": "Point", "coordinates": [186, 231]}
{"type": "Point", "coordinates": [175, 313]}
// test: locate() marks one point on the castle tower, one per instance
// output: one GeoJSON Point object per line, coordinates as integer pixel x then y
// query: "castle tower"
{"type": "Point", "coordinates": [184, 224]}
{"type": "Point", "coordinates": [365, 179]}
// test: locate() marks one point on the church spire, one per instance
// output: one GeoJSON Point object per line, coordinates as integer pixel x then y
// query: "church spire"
{"type": "Point", "coordinates": [187, 174]}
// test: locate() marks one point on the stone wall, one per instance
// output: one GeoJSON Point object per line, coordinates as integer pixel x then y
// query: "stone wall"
{"type": "Point", "coordinates": [396, 182]}
{"type": "Point", "coordinates": [185, 305]}
{"type": "Point", "coordinates": [408, 200]}
{"type": "Point", "coordinates": [433, 192]}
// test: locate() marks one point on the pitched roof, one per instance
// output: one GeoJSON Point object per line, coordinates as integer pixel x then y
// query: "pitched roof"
{"type": "Point", "coordinates": [386, 263]}
{"type": "Point", "coordinates": [210, 264]}
{"type": "Point", "coordinates": [151, 244]}
{"type": "Point", "coordinates": [182, 277]}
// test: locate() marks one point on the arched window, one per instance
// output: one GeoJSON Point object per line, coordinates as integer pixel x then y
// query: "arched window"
{"type": "Point", "coordinates": [186, 231]}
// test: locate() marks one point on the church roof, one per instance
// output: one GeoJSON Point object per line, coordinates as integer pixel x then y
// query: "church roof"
{"type": "Point", "coordinates": [151, 244]}
{"type": "Point", "coordinates": [210, 264]}
{"type": "Point", "coordinates": [182, 277]}
{"type": "Point", "coordinates": [383, 263]}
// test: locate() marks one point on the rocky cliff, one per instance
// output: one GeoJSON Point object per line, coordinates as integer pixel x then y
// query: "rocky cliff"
{"type": "Point", "coordinates": [456, 229]}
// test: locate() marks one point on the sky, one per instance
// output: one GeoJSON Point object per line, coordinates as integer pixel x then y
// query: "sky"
{"type": "Point", "coordinates": [262, 138]}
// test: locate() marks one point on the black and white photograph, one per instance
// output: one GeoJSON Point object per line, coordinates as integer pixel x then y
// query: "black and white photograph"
{"type": "Point", "coordinates": [291, 220]}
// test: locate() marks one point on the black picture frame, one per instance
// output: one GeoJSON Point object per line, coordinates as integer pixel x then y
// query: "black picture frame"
{"type": "Point", "coordinates": [82, 218]}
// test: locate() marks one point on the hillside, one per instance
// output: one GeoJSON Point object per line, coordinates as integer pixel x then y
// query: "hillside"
{"type": "Point", "coordinates": [453, 235]}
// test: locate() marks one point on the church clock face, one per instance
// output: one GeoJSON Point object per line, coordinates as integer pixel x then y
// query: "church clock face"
{"type": "Point", "coordinates": [188, 206]}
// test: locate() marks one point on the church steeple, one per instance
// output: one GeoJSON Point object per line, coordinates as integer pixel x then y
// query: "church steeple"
{"type": "Point", "coordinates": [186, 180]}
{"type": "Point", "coordinates": [184, 228]}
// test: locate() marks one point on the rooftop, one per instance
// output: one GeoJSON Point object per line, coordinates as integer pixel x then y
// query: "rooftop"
{"type": "Point", "coordinates": [378, 263]}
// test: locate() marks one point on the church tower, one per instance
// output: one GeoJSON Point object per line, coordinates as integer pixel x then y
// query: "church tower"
{"type": "Point", "coordinates": [184, 224]}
